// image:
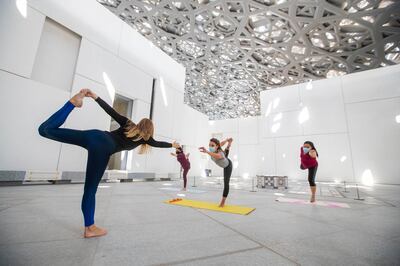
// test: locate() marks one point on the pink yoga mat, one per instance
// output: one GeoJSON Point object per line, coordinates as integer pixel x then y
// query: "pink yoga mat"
{"type": "Point", "coordinates": [329, 204]}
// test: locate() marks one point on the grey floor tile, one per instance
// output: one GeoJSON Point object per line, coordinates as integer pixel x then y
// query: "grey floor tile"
{"type": "Point", "coordinates": [167, 251]}
{"type": "Point", "coordinates": [343, 248]}
{"type": "Point", "coordinates": [260, 256]}
{"type": "Point", "coordinates": [54, 253]}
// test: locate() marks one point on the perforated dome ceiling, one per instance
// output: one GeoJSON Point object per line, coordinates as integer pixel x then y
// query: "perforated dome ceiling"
{"type": "Point", "coordinates": [232, 50]}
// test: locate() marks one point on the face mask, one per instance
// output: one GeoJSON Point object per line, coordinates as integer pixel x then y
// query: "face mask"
{"type": "Point", "coordinates": [306, 150]}
{"type": "Point", "coordinates": [211, 149]}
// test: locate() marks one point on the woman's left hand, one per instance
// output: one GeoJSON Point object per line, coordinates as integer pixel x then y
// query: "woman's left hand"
{"type": "Point", "coordinates": [202, 149]}
{"type": "Point", "coordinates": [312, 153]}
{"type": "Point", "coordinates": [175, 145]}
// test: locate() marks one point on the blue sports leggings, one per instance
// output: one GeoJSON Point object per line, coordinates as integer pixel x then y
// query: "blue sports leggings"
{"type": "Point", "coordinates": [99, 145]}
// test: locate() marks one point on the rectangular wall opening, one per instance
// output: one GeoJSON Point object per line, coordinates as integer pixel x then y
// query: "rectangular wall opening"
{"type": "Point", "coordinates": [57, 56]}
{"type": "Point", "coordinates": [122, 105]}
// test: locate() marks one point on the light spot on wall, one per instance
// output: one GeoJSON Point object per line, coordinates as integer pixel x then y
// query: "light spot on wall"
{"type": "Point", "coordinates": [269, 109]}
{"type": "Point", "coordinates": [245, 175]}
{"type": "Point", "coordinates": [163, 91]}
{"type": "Point", "coordinates": [343, 158]}
{"type": "Point", "coordinates": [276, 102]}
{"type": "Point", "coordinates": [367, 177]}
{"type": "Point", "coordinates": [22, 7]}
{"type": "Point", "coordinates": [110, 87]}
{"type": "Point", "coordinates": [275, 127]}
{"type": "Point", "coordinates": [309, 86]}
{"type": "Point", "coordinates": [284, 155]}
{"type": "Point", "coordinates": [398, 119]}
{"type": "Point", "coordinates": [304, 115]}
{"type": "Point", "coordinates": [262, 158]}
{"type": "Point", "coordinates": [211, 123]}
{"type": "Point", "coordinates": [277, 117]}
{"type": "Point", "coordinates": [235, 164]}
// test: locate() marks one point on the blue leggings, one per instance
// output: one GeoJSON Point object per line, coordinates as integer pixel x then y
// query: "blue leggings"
{"type": "Point", "coordinates": [99, 145]}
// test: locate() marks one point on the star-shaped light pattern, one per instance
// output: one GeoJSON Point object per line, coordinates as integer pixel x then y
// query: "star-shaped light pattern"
{"type": "Point", "coordinates": [232, 50]}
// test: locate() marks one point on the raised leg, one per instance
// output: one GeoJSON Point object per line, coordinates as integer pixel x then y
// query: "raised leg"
{"type": "Point", "coordinates": [51, 128]}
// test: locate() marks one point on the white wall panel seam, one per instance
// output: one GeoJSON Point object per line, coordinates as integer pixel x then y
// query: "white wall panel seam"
{"type": "Point", "coordinates": [373, 100]}
{"type": "Point", "coordinates": [348, 133]}
{"type": "Point", "coordinates": [15, 74]}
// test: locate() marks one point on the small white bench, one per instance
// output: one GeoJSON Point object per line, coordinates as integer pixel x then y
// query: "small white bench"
{"type": "Point", "coordinates": [116, 175]}
{"type": "Point", "coordinates": [49, 176]}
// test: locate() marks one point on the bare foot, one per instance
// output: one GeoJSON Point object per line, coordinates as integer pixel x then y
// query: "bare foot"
{"type": "Point", "coordinates": [77, 99]}
{"type": "Point", "coordinates": [312, 200]}
{"type": "Point", "coordinates": [94, 231]}
{"type": "Point", "coordinates": [222, 204]}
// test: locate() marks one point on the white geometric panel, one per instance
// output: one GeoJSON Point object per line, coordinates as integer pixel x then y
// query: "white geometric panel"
{"type": "Point", "coordinates": [232, 50]}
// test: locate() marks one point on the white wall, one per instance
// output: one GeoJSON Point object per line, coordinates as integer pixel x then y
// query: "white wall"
{"type": "Point", "coordinates": [113, 58]}
{"type": "Point", "coordinates": [351, 120]}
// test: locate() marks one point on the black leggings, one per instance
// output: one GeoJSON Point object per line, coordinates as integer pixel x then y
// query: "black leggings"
{"type": "Point", "coordinates": [185, 172]}
{"type": "Point", "coordinates": [227, 175]}
{"type": "Point", "coordinates": [311, 175]}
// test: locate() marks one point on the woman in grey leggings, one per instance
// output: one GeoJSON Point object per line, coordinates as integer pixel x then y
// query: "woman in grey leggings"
{"type": "Point", "coordinates": [220, 157]}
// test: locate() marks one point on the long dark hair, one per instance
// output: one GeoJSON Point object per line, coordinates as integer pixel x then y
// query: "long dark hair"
{"type": "Point", "coordinates": [312, 146]}
{"type": "Point", "coordinates": [218, 144]}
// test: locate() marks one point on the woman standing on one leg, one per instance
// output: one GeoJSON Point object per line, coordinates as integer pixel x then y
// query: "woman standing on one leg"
{"type": "Point", "coordinates": [308, 156]}
{"type": "Point", "coordinates": [220, 157]}
{"type": "Point", "coordinates": [183, 159]}
{"type": "Point", "coordinates": [100, 146]}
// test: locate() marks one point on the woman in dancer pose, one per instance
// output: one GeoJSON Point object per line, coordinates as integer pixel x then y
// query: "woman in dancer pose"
{"type": "Point", "coordinates": [220, 157]}
{"type": "Point", "coordinates": [183, 159]}
{"type": "Point", "coordinates": [308, 157]}
{"type": "Point", "coordinates": [100, 146]}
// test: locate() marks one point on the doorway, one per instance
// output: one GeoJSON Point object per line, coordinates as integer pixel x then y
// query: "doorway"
{"type": "Point", "coordinates": [122, 105]}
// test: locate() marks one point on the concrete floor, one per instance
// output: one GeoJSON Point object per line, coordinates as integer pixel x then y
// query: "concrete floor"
{"type": "Point", "coordinates": [41, 225]}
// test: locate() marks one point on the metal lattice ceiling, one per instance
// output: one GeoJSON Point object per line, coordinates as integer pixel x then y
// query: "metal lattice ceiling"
{"type": "Point", "coordinates": [232, 50]}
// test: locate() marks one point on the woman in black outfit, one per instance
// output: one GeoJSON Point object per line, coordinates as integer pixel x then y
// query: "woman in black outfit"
{"type": "Point", "coordinates": [100, 146]}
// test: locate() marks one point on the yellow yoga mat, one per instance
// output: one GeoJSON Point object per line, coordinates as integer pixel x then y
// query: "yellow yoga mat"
{"type": "Point", "coordinates": [211, 206]}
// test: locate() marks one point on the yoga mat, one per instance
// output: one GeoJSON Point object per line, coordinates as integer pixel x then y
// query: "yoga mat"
{"type": "Point", "coordinates": [182, 191]}
{"type": "Point", "coordinates": [212, 206]}
{"type": "Point", "coordinates": [329, 204]}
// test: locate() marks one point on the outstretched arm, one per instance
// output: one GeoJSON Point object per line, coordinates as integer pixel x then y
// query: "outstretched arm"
{"type": "Point", "coordinates": [212, 154]}
{"type": "Point", "coordinates": [161, 144]}
{"type": "Point", "coordinates": [121, 120]}
{"type": "Point", "coordinates": [173, 154]}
